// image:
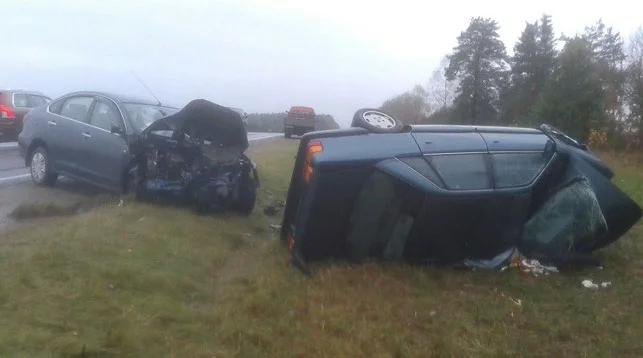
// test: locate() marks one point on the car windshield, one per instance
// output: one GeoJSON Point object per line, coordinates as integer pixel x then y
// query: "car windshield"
{"type": "Point", "coordinates": [142, 115]}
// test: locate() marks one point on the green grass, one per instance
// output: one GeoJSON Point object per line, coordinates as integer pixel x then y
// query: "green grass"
{"type": "Point", "coordinates": [152, 281]}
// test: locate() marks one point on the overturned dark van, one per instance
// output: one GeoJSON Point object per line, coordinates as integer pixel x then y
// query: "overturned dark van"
{"type": "Point", "coordinates": [448, 194]}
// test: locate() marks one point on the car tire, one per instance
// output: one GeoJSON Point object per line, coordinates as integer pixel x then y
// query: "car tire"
{"type": "Point", "coordinates": [40, 168]}
{"type": "Point", "coordinates": [247, 193]}
{"type": "Point", "coordinates": [376, 121]}
{"type": "Point", "coordinates": [134, 183]}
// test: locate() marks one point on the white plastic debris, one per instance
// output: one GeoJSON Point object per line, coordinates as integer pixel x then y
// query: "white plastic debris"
{"type": "Point", "coordinates": [606, 284]}
{"type": "Point", "coordinates": [275, 227]}
{"type": "Point", "coordinates": [534, 266]}
{"type": "Point", "coordinates": [120, 203]}
{"type": "Point", "coordinates": [589, 284]}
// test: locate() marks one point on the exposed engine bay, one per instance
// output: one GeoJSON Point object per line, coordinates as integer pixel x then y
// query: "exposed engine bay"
{"type": "Point", "coordinates": [196, 156]}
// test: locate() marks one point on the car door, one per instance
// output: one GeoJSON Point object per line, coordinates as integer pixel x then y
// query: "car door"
{"type": "Point", "coordinates": [65, 140]}
{"type": "Point", "coordinates": [105, 154]}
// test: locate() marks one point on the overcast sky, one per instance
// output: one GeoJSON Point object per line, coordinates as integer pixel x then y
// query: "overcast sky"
{"type": "Point", "coordinates": [263, 56]}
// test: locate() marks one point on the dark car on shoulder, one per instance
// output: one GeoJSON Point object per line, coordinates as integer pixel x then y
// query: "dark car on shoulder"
{"type": "Point", "coordinates": [446, 194]}
{"type": "Point", "coordinates": [14, 104]}
{"type": "Point", "coordinates": [193, 155]}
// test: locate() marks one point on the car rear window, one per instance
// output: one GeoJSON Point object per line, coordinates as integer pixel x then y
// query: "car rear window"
{"type": "Point", "coordinates": [517, 169]}
{"type": "Point", "coordinates": [20, 100]}
{"type": "Point", "coordinates": [462, 171]}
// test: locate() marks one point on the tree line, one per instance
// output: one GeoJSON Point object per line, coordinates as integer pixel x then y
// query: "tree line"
{"type": "Point", "coordinates": [589, 85]}
{"type": "Point", "coordinates": [274, 122]}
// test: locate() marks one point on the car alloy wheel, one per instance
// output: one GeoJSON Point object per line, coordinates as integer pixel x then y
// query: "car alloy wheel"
{"type": "Point", "coordinates": [38, 167]}
{"type": "Point", "coordinates": [379, 119]}
{"type": "Point", "coordinates": [376, 121]}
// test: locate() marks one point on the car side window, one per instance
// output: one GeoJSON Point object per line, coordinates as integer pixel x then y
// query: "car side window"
{"type": "Point", "coordinates": [104, 116]}
{"type": "Point", "coordinates": [20, 100]}
{"type": "Point", "coordinates": [77, 108]}
{"type": "Point", "coordinates": [517, 169]}
{"type": "Point", "coordinates": [35, 100]}
{"type": "Point", "coordinates": [56, 106]}
{"type": "Point", "coordinates": [462, 171]}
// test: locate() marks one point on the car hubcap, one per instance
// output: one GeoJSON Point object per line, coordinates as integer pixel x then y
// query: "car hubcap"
{"type": "Point", "coordinates": [38, 166]}
{"type": "Point", "coordinates": [379, 120]}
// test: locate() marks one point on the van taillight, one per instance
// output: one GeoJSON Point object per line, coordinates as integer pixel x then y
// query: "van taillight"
{"type": "Point", "coordinates": [313, 147]}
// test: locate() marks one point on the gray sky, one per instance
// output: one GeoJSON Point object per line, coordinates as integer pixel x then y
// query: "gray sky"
{"type": "Point", "coordinates": [263, 56]}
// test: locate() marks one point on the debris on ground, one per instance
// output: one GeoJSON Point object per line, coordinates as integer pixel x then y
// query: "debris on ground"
{"type": "Point", "coordinates": [275, 227]}
{"type": "Point", "coordinates": [513, 258]}
{"type": "Point", "coordinates": [591, 285]}
{"type": "Point", "coordinates": [534, 266]}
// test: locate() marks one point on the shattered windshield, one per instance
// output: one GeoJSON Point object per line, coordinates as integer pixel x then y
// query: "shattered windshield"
{"type": "Point", "coordinates": [142, 115]}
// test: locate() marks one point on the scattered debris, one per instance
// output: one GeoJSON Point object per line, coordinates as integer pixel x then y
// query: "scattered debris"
{"type": "Point", "coordinates": [432, 313]}
{"type": "Point", "coordinates": [275, 227]}
{"type": "Point", "coordinates": [248, 234]}
{"type": "Point", "coordinates": [121, 203]}
{"type": "Point", "coordinates": [589, 284]}
{"type": "Point", "coordinates": [534, 266]}
{"type": "Point", "coordinates": [141, 219]}
{"type": "Point", "coordinates": [517, 302]}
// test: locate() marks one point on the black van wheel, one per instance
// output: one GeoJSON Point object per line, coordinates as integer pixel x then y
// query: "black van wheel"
{"type": "Point", "coordinates": [247, 192]}
{"type": "Point", "coordinates": [376, 121]}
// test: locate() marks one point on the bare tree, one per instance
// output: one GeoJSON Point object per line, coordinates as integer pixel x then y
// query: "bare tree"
{"type": "Point", "coordinates": [634, 87]}
{"type": "Point", "coordinates": [411, 107]}
{"type": "Point", "coordinates": [441, 91]}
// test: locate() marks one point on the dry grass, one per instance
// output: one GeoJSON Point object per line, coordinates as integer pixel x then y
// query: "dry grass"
{"type": "Point", "coordinates": [149, 281]}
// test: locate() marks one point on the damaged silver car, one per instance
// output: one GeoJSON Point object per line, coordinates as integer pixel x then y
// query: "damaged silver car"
{"type": "Point", "coordinates": [195, 155]}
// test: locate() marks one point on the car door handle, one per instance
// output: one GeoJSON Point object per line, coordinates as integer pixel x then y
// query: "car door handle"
{"type": "Point", "coordinates": [87, 135]}
{"type": "Point", "coordinates": [51, 123]}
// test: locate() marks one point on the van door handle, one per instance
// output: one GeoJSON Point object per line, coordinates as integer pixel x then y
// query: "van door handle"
{"type": "Point", "coordinates": [52, 123]}
{"type": "Point", "coordinates": [87, 135]}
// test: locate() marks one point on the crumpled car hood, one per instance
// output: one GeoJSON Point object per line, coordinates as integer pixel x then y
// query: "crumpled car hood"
{"type": "Point", "coordinates": [207, 121]}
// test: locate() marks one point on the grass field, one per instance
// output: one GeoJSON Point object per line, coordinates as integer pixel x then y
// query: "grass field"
{"type": "Point", "coordinates": [151, 281]}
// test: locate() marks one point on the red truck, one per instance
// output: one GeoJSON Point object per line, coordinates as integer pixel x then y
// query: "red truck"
{"type": "Point", "coordinates": [299, 120]}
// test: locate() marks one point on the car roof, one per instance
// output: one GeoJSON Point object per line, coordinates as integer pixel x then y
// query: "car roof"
{"type": "Point", "coordinates": [116, 96]}
{"type": "Point", "coordinates": [15, 90]}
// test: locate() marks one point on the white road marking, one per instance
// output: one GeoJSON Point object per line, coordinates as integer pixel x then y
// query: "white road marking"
{"type": "Point", "coordinates": [21, 176]}
{"type": "Point", "coordinates": [9, 145]}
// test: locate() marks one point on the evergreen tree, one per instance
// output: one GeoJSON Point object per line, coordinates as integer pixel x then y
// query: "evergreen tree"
{"type": "Point", "coordinates": [479, 63]}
